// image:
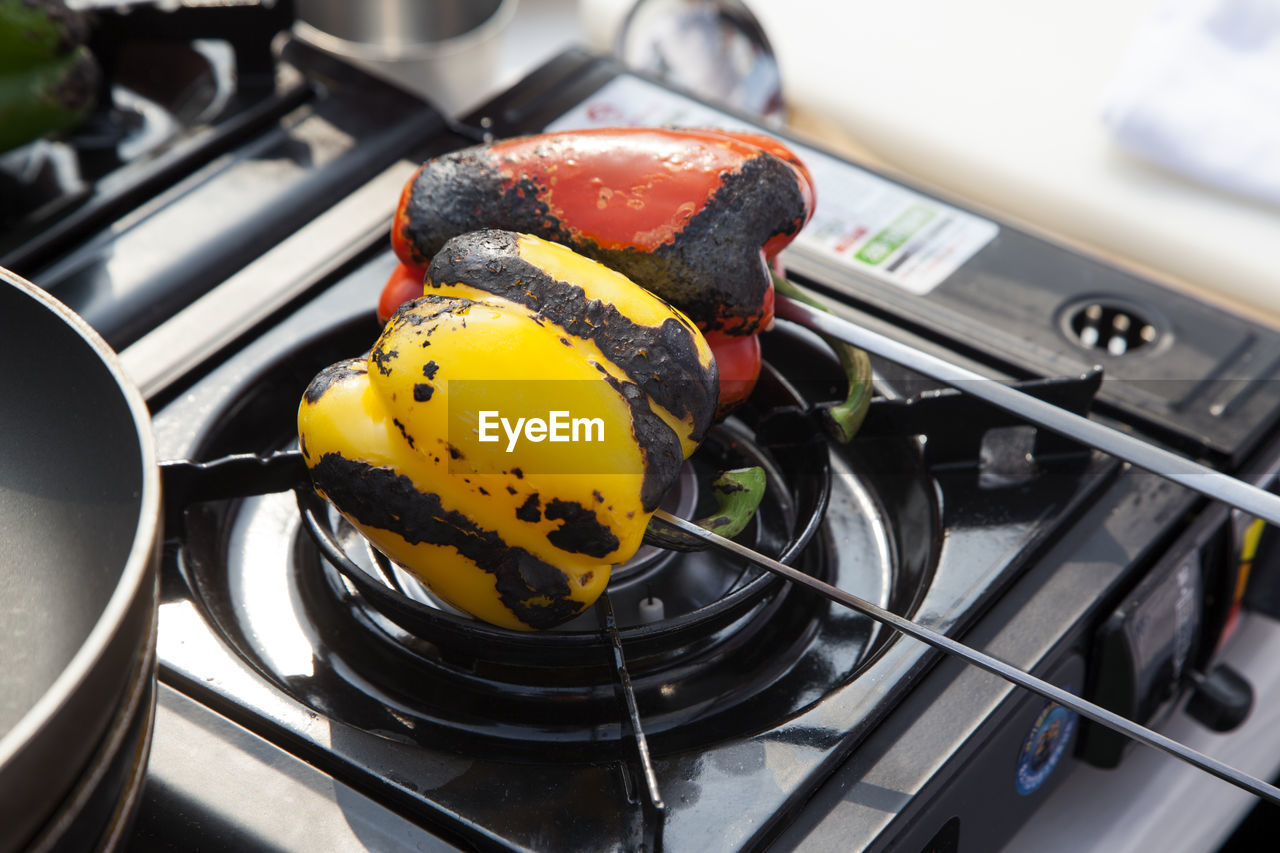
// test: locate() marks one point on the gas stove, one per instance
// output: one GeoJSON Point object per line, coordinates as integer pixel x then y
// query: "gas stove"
{"type": "Point", "coordinates": [313, 694]}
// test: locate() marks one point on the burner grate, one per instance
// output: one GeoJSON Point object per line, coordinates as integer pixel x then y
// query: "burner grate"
{"type": "Point", "coordinates": [703, 595]}
{"type": "Point", "coordinates": [311, 606]}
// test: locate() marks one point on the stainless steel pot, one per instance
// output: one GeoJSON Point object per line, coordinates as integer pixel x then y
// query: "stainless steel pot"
{"type": "Point", "coordinates": [445, 50]}
{"type": "Point", "coordinates": [79, 551]}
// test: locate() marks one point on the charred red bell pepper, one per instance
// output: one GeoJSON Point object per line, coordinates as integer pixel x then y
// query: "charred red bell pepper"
{"type": "Point", "coordinates": [692, 215]}
{"type": "Point", "coordinates": [738, 358]}
{"type": "Point", "coordinates": [404, 285]}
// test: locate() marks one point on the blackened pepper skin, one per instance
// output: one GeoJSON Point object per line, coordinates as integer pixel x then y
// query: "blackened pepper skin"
{"type": "Point", "coordinates": [330, 375]}
{"type": "Point", "coordinates": [534, 590]}
{"type": "Point", "coordinates": [663, 457]}
{"type": "Point", "coordinates": [581, 532]}
{"type": "Point", "coordinates": [690, 215]}
{"type": "Point", "coordinates": [662, 360]}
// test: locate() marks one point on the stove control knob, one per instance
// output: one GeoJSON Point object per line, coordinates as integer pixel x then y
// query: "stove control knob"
{"type": "Point", "coordinates": [1221, 699]}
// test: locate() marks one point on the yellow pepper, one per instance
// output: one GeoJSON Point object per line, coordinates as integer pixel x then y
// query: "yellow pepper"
{"type": "Point", "coordinates": [422, 445]}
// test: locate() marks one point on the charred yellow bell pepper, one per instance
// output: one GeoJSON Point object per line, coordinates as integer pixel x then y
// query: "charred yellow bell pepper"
{"type": "Point", "coordinates": [422, 447]}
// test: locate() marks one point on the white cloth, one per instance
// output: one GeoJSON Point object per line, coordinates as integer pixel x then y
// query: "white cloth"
{"type": "Point", "coordinates": [1199, 93]}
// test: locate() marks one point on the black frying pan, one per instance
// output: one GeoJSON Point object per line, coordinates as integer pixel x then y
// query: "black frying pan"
{"type": "Point", "coordinates": [79, 546]}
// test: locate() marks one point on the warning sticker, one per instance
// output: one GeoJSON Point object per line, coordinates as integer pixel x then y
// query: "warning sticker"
{"type": "Point", "coordinates": [862, 221]}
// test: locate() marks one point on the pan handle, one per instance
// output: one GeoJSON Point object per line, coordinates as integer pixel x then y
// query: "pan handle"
{"type": "Point", "coordinates": [244, 474]}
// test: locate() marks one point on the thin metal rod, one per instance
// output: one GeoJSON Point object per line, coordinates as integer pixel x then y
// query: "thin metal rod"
{"type": "Point", "coordinates": [1083, 707]}
{"type": "Point", "coordinates": [1197, 477]}
{"type": "Point", "coordinates": [653, 808]}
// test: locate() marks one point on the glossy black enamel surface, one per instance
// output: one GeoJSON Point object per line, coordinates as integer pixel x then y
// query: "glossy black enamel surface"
{"type": "Point", "coordinates": [758, 708]}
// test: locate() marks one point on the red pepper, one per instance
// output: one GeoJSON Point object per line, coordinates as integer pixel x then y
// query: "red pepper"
{"type": "Point", "coordinates": [693, 215]}
{"type": "Point", "coordinates": [738, 361]}
{"type": "Point", "coordinates": [405, 283]}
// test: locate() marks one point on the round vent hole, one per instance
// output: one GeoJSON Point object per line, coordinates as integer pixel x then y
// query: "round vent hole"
{"type": "Point", "coordinates": [1111, 328]}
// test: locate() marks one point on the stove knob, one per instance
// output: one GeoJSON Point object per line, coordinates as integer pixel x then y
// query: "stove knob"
{"type": "Point", "coordinates": [1220, 699]}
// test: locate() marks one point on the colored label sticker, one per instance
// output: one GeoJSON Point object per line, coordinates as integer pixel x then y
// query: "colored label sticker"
{"type": "Point", "coordinates": [863, 222]}
{"type": "Point", "coordinates": [1044, 746]}
{"type": "Point", "coordinates": [888, 241]}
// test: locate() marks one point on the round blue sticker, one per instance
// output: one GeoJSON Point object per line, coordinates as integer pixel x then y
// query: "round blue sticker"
{"type": "Point", "coordinates": [1044, 746]}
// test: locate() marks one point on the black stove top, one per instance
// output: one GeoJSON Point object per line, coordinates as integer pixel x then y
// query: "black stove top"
{"type": "Point", "coordinates": [306, 701]}
{"type": "Point", "coordinates": [469, 727]}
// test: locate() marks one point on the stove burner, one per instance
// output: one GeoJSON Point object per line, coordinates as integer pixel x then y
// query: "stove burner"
{"type": "Point", "coordinates": [735, 651]}
{"type": "Point", "coordinates": [700, 592]}
{"type": "Point", "coordinates": [714, 608]}
{"type": "Point", "coordinates": [348, 551]}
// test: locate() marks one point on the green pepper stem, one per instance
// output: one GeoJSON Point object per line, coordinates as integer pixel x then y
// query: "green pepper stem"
{"type": "Point", "coordinates": [842, 420]}
{"type": "Point", "coordinates": [738, 493]}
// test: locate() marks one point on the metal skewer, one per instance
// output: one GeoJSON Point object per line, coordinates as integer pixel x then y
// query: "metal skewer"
{"type": "Point", "coordinates": [1083, 707]}
{"type": "Point", "coordinates": [1193, 475]}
